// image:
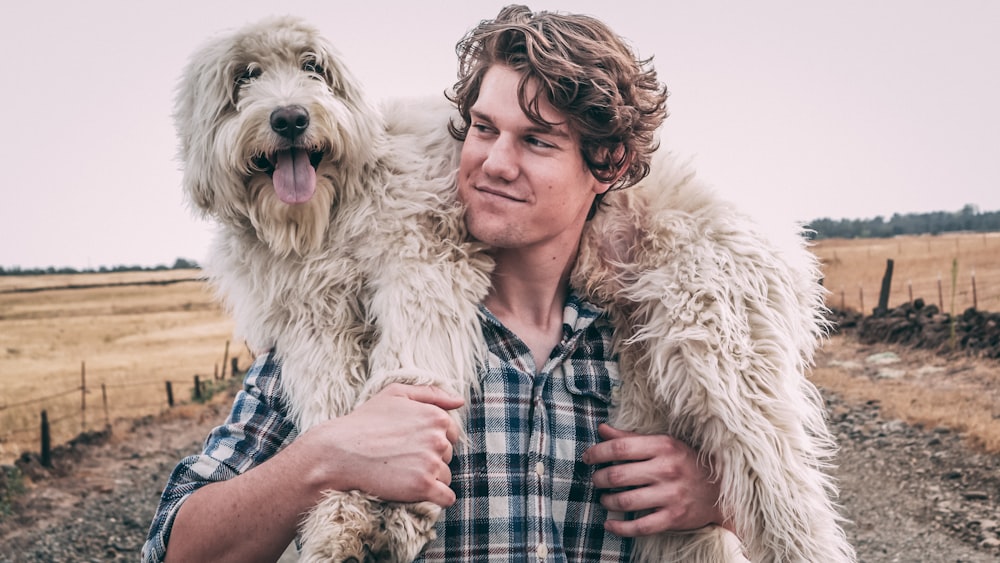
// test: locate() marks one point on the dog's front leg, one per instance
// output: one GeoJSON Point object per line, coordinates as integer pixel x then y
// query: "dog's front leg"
{"type": "Point", "coordinates": [356, 527]}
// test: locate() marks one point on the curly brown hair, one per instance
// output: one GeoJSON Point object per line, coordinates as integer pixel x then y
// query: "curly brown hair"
{"type": "Point", "coordinates": [613, 101]}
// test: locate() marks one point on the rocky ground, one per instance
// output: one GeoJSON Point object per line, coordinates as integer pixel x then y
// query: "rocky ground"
{"type": "Point", "coordinates": [911, 494]}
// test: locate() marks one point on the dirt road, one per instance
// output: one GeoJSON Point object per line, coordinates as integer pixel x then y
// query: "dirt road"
{"type": "Point", "coordinates": [911, 494]}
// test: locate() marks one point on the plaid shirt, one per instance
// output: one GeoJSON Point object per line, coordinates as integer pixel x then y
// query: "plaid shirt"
{"type": "Point", "coordinates": [523, 493]}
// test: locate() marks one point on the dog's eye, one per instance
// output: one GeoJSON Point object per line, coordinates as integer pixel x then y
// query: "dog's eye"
{"type": "Point", "coordinates": [247, 75]}
{"type": "Point", "coordinates": [313, 66]}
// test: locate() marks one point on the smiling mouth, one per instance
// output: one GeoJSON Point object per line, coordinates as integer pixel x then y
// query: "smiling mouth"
{"type": "Point", "coordinates": [498, 194]}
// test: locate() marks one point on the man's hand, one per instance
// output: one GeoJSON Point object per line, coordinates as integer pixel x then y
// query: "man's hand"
{"type": "Point", "coordinates": [397, 445]}
{"type": "Point", "coordinates": [660, 475]}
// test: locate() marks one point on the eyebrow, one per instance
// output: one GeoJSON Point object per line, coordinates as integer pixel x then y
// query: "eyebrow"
{"type": "Point", "coordinates": [557, 130]}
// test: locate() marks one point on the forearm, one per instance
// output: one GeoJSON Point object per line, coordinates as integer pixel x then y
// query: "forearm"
{"type": "Point", "coordinates": [251, 517]}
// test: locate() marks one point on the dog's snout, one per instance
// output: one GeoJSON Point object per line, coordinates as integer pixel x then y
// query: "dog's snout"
{"type": "Point", "coordinates": [290, 121]}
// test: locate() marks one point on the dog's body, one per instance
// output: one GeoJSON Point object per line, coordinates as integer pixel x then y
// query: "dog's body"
{"type": "Point", "coordinates": [360, 281]}
{"type": "Point", "coordinates": [368, 279]}
{"type": "Point", "coordinates": [716, 326]}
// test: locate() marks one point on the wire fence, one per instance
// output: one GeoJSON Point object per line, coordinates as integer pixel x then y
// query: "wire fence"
{"type": "Point", "coordinates": [37, 424]}
{"type": "Point", "coordinates": [950, 292]}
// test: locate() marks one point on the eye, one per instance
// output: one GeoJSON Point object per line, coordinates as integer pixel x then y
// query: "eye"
{"type": "Point", "coordinates": [535, 141]}
{"type": "Point", "coordinates": [480, 128]}
{"type": "Point", "coordinates": [244, 77]}
{"type": "Point", "coordinates": [311, 65]}
{"type": "Point", "coordinates": [247, 75]}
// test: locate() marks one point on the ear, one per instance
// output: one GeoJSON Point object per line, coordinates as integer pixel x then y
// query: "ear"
{"type": "Point", "coordinates": [204, 96]}
{"type": "Point", "coordinates": [622, 161]}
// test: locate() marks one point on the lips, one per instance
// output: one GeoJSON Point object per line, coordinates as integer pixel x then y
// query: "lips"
{"type": "Point", "coordinates": [293, 173]}
{"type": "Point", "coordinates": [499, 193]}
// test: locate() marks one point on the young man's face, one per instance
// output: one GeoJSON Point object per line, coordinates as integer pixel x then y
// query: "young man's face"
{"type": "Point", "coordinates": [524, 185]}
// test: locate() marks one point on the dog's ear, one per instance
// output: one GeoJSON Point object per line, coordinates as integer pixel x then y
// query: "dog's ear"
{"type": "Point", "coordinates": [205, 95]}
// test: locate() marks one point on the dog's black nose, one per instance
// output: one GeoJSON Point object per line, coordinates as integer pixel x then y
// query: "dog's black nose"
{"type": "Point", "coordinates": [290, 121]}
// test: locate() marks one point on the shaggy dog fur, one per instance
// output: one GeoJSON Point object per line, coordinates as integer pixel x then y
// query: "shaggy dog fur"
{"type": "Point", "coordinates": [340, 244]}
{"type": "Point", "coordinates": [367, 279]}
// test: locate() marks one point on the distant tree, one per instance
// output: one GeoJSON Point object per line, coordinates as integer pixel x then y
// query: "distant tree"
{"type": "Point", "coordinates": [969, 218]}
{"type": "Point", "coordinates": [184, 264]}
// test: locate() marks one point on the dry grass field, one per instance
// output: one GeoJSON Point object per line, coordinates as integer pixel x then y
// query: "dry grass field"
{"type": "Point", "coordinates": [853, 270]}
{"type": "Point", "coordinates": [131, 338]}
{"type": "Point", "coordinates": [929, 388]}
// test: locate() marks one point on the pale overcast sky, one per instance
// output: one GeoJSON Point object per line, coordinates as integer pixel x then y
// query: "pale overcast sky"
{"type": "Point", "coordinates": [794, 109]}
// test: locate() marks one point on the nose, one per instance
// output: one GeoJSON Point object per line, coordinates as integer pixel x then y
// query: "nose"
{"type": "Point", "coordinates": [501, 159]}
{"type": "Point", "coordinates": [290, 121]}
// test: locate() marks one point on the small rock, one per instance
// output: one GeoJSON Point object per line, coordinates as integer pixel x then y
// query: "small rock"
{"type": "Point", "coordinates": [883, 358]}
{"type": "Point", "coordinates": [990, 543]}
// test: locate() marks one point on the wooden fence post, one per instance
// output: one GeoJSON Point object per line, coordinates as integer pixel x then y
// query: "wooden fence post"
{"type": "Point", "coordinates": [225, 359]}
{"type": "Point", "coordinates": [861, 297]}
{"type": "Point", "coordinates": [46, 441]}
{"type": "Point", "coordinates": [940, 295]}
{"type": "Point", "coordinates": [197, 387]}
{"type": "Point", "coordinates": [975, 300]}
{"type": "Point", "coordinates": [909, 287]}
{"type": "Point", "coordinates": [104, 399]}
{"type": "Point", "coordinates": [883, 296]}
{"type": "Point", "coordinates": [83, 397]}
{"type": "Point", "coordinates": [170, 394]}
{"type": "Point", "coordinates": [234, 369]}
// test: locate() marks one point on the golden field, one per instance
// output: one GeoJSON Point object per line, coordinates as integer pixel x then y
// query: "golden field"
{"type": "Point", "coordinates": [133, 337]}
{"type": "Point", "coordinates": [950, 390]}
{"type": "Point", "coordinates": [853, 270]}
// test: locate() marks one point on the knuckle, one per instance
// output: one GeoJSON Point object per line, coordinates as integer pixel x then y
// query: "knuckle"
{"type": "Point", "coordinates": [643, 528]}
{"type": "Point", "coordinates": [440, 443]}
{"type": "Point", "coordinates": [620, 449]}
{"type": "Point", "coordinates": [616, 476]}
{"type": "Point", "coordinates": [626, 500]}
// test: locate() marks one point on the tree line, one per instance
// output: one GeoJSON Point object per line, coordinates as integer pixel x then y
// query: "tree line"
{"type": "Point", "coordinates": [969, 219]}
{"type": "Point", "coordinates": [179, 264]}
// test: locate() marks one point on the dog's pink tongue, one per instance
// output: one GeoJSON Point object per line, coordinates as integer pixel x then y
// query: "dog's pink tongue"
{"type": "Point", "coordinates": [294, 177]}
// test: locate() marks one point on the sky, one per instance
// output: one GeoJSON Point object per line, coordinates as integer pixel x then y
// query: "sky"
{"type": "Point", "coordinates": [793, 110]}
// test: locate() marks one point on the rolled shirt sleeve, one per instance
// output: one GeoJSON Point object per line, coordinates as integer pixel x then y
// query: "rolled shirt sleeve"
{"type": "Point", "coordinates": [257, 428]}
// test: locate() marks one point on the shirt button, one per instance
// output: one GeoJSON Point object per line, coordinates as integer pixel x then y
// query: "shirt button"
{"type": "Point", "coordinates": [540, 469]}
{"type": "Point", "coordinates": [542, 551]}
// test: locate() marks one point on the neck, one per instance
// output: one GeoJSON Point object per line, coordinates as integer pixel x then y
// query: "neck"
{"type": "Point", "coordinates": [528, 293]}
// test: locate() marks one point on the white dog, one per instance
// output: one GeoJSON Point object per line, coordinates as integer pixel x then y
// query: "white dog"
{"type": "Point", "coordinates": [341, 244]}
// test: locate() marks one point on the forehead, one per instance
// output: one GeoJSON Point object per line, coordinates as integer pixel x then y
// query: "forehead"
{"type": "Point", "coordinates": [498, 98]}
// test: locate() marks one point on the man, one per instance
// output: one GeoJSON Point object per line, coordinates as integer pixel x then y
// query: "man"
{"type": "Point", "coordinates": [557, 111]}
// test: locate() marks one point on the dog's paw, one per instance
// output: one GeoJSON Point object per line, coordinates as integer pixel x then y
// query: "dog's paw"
{"type": "Point", "coordinates": [339, 528]}
{"type": "Point", "coordinates": [406, 529]}
{"type": "Point", "coordinates": [358, 528]}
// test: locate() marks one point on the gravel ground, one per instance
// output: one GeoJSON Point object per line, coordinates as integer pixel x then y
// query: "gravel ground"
{"type": "Point", "coordinates": [911, 494]}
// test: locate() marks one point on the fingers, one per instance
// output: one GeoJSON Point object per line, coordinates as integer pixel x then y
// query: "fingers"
{"type": "Point", "coordinates": [652, 523]}
{"type": "Point", "coordinates": [427, 394]}
{"type": "Point", "coordinates": [635, 474]}
{"type": "Point", "coordinates": [434, 397]}
{"type": "Point", "coordinates": [442, 495]}
{"type": "Point", "coordinates": [621, 446]}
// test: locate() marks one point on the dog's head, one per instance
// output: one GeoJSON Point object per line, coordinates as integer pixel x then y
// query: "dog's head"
{"type": "Point", "coordinates": [274, 131]}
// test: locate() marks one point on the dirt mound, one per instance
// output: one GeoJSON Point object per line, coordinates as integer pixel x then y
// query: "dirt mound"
{"type": "Point", "coordinates": [925, 326]}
